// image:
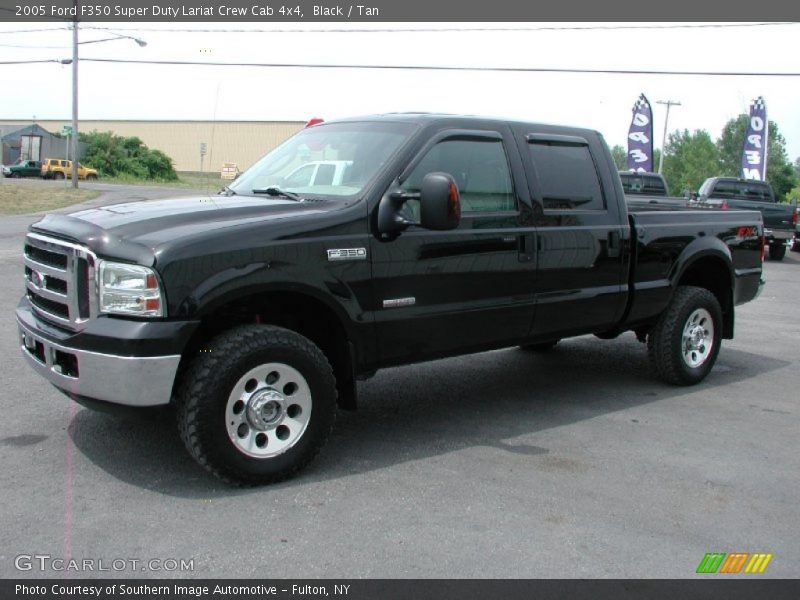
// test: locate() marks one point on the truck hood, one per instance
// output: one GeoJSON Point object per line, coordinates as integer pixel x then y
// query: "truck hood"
{"type": "Point", "coordinates": [136, 231]}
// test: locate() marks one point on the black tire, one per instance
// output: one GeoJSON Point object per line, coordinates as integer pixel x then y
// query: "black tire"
{"type": "Point", "coordinates": [665, 344]}
{"type": "Point", "coordinates": [777, 251]}
{"type": "Point", "coordinates": [58, 175]}
{"type": "Point", "coordinates": [796, 244]}
{"type": "Point", "coordinates": [91, 178]}
{"type": "Point", "coordinates": [204, 395]}
{"type": "Point", "coordinates": [541, 346]}
{"type": "Point", "coordinates": [15, 176]}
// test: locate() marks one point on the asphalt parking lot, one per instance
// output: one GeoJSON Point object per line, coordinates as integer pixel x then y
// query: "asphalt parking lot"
{"type": "Point", "coordinates": [505, 464]}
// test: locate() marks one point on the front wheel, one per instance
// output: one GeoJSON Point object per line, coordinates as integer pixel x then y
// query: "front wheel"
{"type": "Point", "coordinates": [777, 251]}
{"type": "Point", "coordinates": [257, 404]}
{"type": "Point", "coordinates": [684, 343]}
{"type": "Point", "coordinates": [15, 176]}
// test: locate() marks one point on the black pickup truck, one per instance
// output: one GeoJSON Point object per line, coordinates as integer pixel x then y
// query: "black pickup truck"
{"type": "Point", "coordinates": [649, 190]}
{"type": "Point", "coordinates": [254, 312]}
{"type": "Point", "coordinates": [729, 192]}
{"type": "Point", "coordinates": [644, 184]}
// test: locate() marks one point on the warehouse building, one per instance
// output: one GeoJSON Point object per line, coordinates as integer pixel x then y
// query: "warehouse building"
{"type": "Point", "coordinates": [238, 142]}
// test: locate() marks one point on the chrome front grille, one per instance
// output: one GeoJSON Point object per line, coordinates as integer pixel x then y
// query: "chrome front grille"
{"type": "Point", "coordinates": [59, 279]}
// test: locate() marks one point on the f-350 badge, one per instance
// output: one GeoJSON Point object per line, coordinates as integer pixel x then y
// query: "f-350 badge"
{"type": "Point", "coordinates": [347, 254]}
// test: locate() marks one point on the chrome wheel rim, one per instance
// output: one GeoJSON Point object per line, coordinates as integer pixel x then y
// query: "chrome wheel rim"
{"type": "Point", "coordinates": [698, 338]}
{"type": "Point", "coordinates": [268, 410]}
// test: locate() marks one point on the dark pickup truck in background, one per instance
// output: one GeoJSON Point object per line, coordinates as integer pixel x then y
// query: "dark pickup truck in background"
{"type": "Point", "coordinates": [255, 312]}
{"type": "Point", "coordinates": [648, 190]}
{"type": "Point", "coordinates": [746, 194]}
{"type": "Point", "coordinates": [645, 184]}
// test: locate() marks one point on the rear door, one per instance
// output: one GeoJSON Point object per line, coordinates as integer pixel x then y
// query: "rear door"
{"type": "Point", "coordinates": [581, 280]}
{"type": "Point", "coordinates": [444, 292]}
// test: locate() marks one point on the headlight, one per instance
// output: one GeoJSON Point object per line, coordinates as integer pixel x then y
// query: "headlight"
{"type": "Point", "coordinates": [129, 290]}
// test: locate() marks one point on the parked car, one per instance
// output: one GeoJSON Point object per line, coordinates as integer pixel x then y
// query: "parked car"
{"type": "Point", "coordinates": [730, 192]}
{"type": "Point", "coordinates": [255, 314]}
{"type": "Point", "coordinates": [317, 173]}
{"type": "Point", "coordinates": [649, 191]}
{"type": "Point", "coordinates": [58, 168]}
{"type": "Point", "coordinates": [24, 168]}
{"type": "Point", "coordinates": [646, 184]}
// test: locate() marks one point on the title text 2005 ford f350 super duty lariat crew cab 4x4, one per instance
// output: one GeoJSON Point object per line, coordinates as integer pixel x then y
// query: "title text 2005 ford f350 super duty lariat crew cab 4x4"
{"type": "Point", "coordinates": [255, 311]}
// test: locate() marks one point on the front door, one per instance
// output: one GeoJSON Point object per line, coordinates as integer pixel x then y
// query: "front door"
{"type": "Point", "coordinates": [444, 292]}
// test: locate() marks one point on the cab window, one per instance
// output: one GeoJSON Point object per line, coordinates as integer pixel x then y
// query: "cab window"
{"type": "Point", "coordinates": [480, 169]}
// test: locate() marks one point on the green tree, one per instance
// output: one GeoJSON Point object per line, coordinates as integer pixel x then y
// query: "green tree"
{"type": "Point", "coordinates": [620, 156]}
{"type": "Point", "coordinates": [780, 172]}
{"type": "Point", "coordinates": [689, 159]}
{"type": "Point", "coordinates": [115, 155]}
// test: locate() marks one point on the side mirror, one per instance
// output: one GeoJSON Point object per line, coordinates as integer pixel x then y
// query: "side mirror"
{"type": "Point", "coordinates": [440, 206]}
{"type": "Point", "coordinates": [440, 203]}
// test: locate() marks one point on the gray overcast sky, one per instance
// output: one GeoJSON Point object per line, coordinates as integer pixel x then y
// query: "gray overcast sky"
{"type": "Point", "coordinates": [601, 102]}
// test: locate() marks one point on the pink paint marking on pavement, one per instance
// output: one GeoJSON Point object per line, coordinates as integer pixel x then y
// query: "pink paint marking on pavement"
{"type": "Point", "coordinates": [68, 489]}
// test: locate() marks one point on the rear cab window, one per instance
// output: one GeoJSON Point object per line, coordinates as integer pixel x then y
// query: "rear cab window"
{"type": "Point", "coordinates": [566, 175]}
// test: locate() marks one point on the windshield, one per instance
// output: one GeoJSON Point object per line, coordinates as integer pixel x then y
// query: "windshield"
{"type": "Point", "coordinates": [328, 160]}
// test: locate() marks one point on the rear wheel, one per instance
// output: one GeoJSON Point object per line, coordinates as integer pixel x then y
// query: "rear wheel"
{"type": "Point", "coordinates": [257, 404]}
{"type": "Point", "coordinates": [58, 175]}
{"type": "Point", "coordinates": [684, 343]}
{"type": "Point", "coordinates": [777, 251]}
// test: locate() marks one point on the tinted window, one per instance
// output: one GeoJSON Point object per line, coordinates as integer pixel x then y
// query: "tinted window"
{"type": "Point", "coordinates": [567, 176]}
{"type": "Point", "coordinates": [480, 169]}
{"type": "Point", "coordinates": [742, 190]}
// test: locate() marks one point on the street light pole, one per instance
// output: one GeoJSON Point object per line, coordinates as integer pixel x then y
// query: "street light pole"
{"type": "Point", "coordinates": [668, 103]}
{"type": "Point", "coordinates": [74, 138]}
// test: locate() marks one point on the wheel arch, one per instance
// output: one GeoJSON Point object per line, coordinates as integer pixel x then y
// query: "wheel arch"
{"type": "Point", "coordinates": [297, 308]}
{"type": "Point", "coordinates": [710, 267]}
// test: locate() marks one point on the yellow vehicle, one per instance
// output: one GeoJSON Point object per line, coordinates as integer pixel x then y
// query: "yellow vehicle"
{"type": "Point", "coordinates": [58, 168]}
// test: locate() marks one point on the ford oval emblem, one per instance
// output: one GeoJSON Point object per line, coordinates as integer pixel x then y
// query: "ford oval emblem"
{"type": "Point", "coordinates": [37, 278]}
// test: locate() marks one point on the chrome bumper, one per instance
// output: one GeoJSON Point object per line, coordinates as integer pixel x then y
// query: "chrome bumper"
{"type": "Point", "coordinates": [780, 234]}
{"type": "Point", "coordinates": [126, 380]}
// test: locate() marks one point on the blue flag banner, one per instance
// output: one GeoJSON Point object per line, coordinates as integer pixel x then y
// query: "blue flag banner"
{"type": "Point", "coordinates": [640, 137]}
{"type": "Point", "coordinates": [754, 152]}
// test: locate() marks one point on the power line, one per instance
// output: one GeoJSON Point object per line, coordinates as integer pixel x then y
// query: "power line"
{"type": "Point", "coordinates": [459, 29]}
{"type": "Point", "coordinates": [31, 62]}
{"type": "Point", "coordinates": [441, 68]}
{"type": "Point", "coordinates": [29, 47]}
{"type": "Point", "coordinates": [35, 30]}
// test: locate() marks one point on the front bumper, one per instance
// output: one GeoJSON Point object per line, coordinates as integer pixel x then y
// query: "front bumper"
{"type": "Point", "coordinates": [137, 381]}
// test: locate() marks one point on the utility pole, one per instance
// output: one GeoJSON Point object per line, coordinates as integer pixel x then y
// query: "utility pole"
{"type": "Point", "coordinates": [74, 137]}
{"type": "Point", "coordinates": [668, 103]}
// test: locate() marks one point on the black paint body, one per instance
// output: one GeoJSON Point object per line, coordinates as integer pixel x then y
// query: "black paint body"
{"type": "Point", "coordinates": [499, 279]}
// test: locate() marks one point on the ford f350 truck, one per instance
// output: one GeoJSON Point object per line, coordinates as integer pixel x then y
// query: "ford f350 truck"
{"type": "Point", "coordinates": [254, 312]}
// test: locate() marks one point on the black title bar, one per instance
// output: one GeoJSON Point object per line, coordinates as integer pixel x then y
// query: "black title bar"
{"type": "Point", "coordinates": [378, 11]}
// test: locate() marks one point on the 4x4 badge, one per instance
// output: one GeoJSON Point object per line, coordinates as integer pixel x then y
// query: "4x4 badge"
{"type": "Point", "coordinates": [347, 254]}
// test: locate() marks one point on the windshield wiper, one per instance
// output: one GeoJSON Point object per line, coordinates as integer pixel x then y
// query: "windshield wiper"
{"type": "Point", "coordinates": [276, 191]}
